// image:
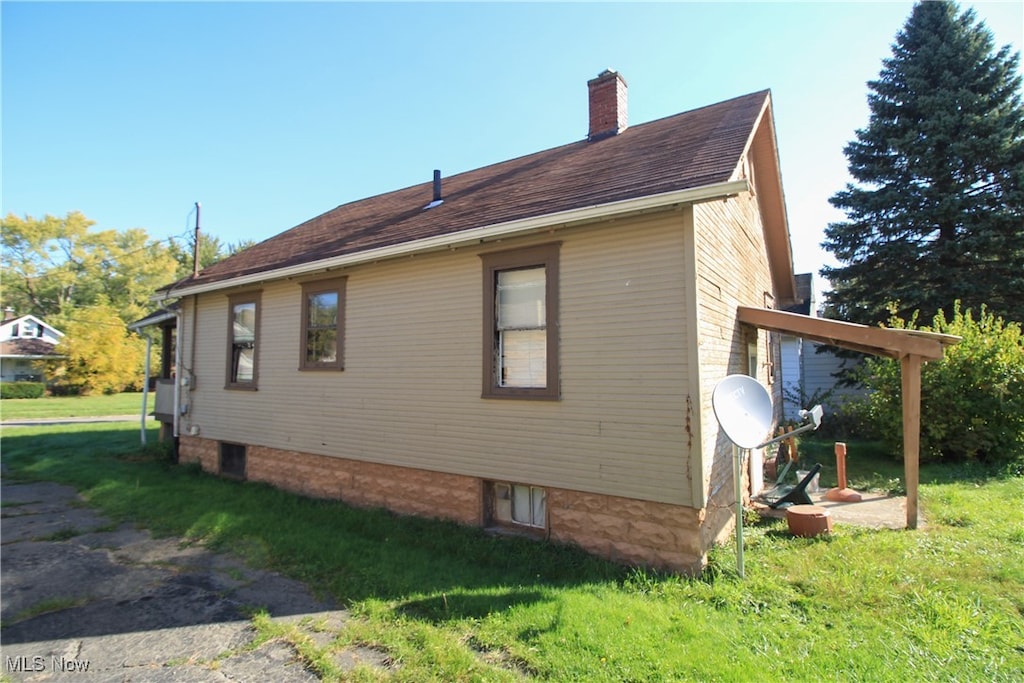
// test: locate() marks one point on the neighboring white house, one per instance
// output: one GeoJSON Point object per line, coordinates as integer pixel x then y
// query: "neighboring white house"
{"type": "Point", "coordinates": [23, 342]}
{"type": "Point", "coordinates": [810, 369]}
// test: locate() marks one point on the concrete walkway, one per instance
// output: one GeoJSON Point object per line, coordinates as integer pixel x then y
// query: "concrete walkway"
{"type": "Point", "coordinates": [875, 510]}
{"type": "Point", "coordinates": [86, 600]}
{"type": "Point", "coordinates": [35, 421]}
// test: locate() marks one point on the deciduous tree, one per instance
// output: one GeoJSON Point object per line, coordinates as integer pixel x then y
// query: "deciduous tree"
{"type": "Point", "coordinates": [55, 264]}
{"type": "Point", "coordinates": [99, 354]}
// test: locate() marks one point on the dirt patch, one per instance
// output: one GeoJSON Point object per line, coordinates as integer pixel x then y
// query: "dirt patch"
{"type": "Point", "coordinates": [83, 595]}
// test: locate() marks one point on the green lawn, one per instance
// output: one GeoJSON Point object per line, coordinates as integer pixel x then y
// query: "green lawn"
{"type": "Point", "coordinates": [452, 604]}
{"type": "Point", "coordinates": [74, 406]}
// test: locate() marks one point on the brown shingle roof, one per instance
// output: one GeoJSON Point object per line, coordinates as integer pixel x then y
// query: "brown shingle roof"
{"type": "Point", "coordinates": [27, 347]}
{"type": "Point", "coordinates": [693, 149]}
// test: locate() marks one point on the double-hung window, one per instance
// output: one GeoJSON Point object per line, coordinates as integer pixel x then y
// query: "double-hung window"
{"type": "Point", "coordinates": [323, 318]}
{"type": "Point", "coordinates": [521, 323]}
{"type": "Point", "coordinates": [243, 340]}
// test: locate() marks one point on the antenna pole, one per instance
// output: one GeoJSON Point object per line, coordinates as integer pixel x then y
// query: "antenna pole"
{"type": "Point", "coordinates": [195, 252]}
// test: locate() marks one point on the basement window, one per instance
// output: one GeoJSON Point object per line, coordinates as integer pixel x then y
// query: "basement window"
{"type": "Point", "coordinates": [519, 505]}
{"type": "Point", "coordinates": [232, 460]}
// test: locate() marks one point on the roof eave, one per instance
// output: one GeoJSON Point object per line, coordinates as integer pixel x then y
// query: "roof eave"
{"type": "Point", "coordinates": [763, 146]}
{"type": "Point", "coordinates": [152, 320]}
{"type": "Point", "coordinates": [519, 227]}
{"type": "Point", "coordinates": [29, 316]}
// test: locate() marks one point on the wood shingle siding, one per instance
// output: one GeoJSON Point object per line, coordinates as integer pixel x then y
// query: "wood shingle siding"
{"type": "Point", "coordinates": [729, 274]}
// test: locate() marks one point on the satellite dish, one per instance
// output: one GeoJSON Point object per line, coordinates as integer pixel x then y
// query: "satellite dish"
{"type": "Point", "coordinates": [743, 409]}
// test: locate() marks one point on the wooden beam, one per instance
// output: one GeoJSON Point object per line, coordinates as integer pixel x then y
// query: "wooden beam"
{"type": "Point", "coordinates": [878, 341]}
{"type": "Point", "coordinates": [910, 371]}
{"type": "Point", "coordinates": [911, 347]}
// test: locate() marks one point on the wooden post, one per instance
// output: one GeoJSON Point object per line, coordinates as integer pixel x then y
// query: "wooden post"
{"type": "Point", "coordinates": [842, 494]}
{"type": "Point", "coordinates": [910, 369]}
{"type": "Point", "coordinates": [841, 463]}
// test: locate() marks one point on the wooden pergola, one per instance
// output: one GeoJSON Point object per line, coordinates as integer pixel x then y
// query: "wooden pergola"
{"type": "Point", "coordinates": [910, 347]}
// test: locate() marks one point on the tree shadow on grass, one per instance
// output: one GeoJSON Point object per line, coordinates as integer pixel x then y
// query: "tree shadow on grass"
{"type": "Point", "coordinates": [460, 604]}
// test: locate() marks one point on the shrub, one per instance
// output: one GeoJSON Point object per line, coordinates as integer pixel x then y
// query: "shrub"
{"type": "Point", "coordinates": [972, 401]}
{"type": "Point", "coordinates": [22, 390]}
{"type": "Point", "coordinates": [848, 420]}
{"type": "Point", "coordinates": [100, 356]}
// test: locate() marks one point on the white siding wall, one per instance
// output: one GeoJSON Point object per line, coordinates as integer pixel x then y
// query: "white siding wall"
{"type": "Point", "coordinates": [791, 377]}
{"type": "Point", "coordinates": [29, 327]}
{"type": "Point", "coordinates": [818, 371]}
{"type": "Point", "coordinates": [410, 391]}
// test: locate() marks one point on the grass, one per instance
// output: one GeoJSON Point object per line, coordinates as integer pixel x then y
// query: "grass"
{"type": "Point", "coordinates": [869, 466]}
{"type": "Point", "coordinates": [449, 603]}
{"type": "Point", "coordinates": [51, 605]}
{"type": "Point", "coordinates": [74, 406]}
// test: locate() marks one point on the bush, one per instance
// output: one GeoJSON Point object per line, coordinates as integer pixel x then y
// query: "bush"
{"type": "Point", "coordinates": [849, 419]}
{"type": "Point", "coordinates": [22, 390]}
{"type": "Point", "coordinates": [972, 401]}
{"type": "Point", "coordinates": [58, 389]}
{"type": "Point", "coordinates": [100, 356]}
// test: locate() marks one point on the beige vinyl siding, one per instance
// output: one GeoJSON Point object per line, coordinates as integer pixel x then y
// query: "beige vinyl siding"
{"type": "Point", "coordinates": [410, 391]}
{"type": "Point", "coordinates": [732, 270]}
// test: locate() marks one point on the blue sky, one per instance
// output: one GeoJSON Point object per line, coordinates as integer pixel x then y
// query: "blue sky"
{"type": "Point", "coordinates": [272, 113]}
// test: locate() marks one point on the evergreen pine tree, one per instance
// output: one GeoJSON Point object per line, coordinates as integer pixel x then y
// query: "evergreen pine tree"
{"type": "Point", "coordinates": [937, 214]}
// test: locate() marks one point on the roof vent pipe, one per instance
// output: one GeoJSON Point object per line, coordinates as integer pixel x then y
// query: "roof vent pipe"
{"type": "Point", "coordinates": [437, 201]}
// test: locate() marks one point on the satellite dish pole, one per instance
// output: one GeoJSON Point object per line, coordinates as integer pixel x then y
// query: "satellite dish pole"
{"type": "Point", "coordinates": [743, 409]}
{"type": "Point", "coordinates": [195, 250]}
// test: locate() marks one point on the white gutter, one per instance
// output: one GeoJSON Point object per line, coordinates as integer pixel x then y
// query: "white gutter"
{"type": "Point", "coordinates": [477, 235]}
{"type": "Point", "coordinates": [149, 322]}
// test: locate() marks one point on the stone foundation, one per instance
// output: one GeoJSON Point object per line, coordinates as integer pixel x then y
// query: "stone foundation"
{"type": "Point", "coordinates": [403, 490]}
{"type": "Point", "coordinates": [626, 530]}
{"type": "Point", "coordinates": [203, 451]}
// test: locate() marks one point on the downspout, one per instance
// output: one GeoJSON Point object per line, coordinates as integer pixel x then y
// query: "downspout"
{"type": "Point", "coordinates": [192, 357]}
{"type": "Point", "coordinates": [177, 369]}
{"type": "Point", "coordinates": [145, 388]}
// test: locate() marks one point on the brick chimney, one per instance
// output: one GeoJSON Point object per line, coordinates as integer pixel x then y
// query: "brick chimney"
{"type": "Point", "coordinates": [8, 314]}
{"type": "Point", "coordinates": [607, 105]}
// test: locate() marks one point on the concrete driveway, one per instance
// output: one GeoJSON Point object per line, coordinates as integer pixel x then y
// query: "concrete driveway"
{"type": "Point", "coordinates": [84, 599]}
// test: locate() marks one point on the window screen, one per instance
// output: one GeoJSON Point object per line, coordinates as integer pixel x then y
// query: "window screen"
{"type": "Point", "coordinates": [243, 342]}
{"type": "Point", "coordinates": [521, 325]}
